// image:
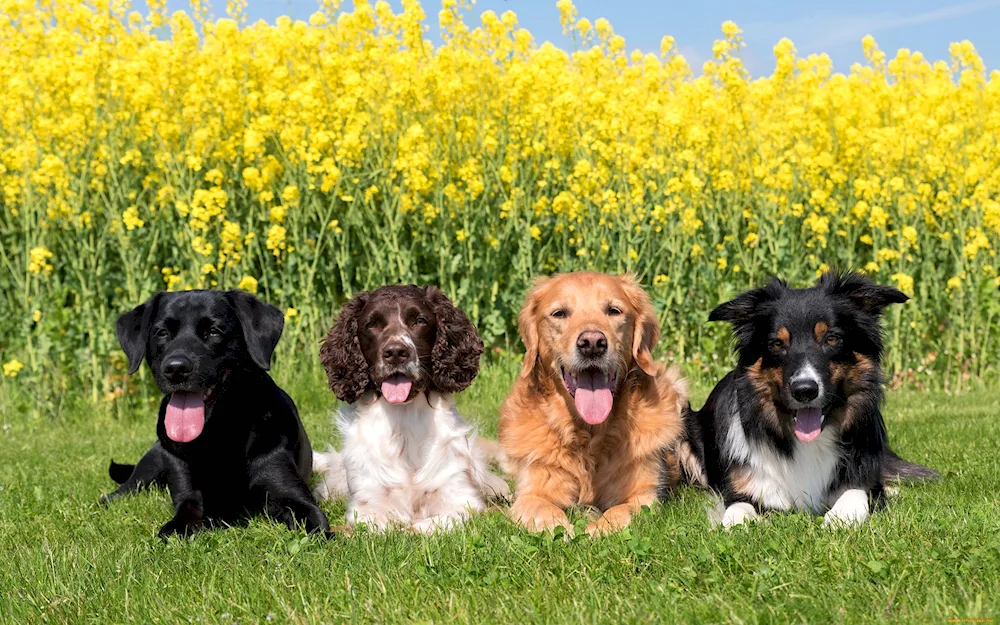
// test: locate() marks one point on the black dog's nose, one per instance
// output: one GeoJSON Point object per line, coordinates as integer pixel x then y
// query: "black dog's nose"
{"type": "Point", "coordinates": [804, 390]}
{"type": "Point", "coordinates": [395, 353]}
{"type": "Point", "coordinates": [177, 368]}
{"type": "Point", "coordinates": [592, 344]}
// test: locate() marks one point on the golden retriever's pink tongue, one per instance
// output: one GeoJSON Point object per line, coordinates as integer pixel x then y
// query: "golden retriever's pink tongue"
{"type": "Point", "coordinates": [808, 424]}
{"type": "Point", "coordinates": [396, 388]}
{"type": "Point", "coordinates": [185, 417]}
{"type": "Point", "coordinates": [593, 396]}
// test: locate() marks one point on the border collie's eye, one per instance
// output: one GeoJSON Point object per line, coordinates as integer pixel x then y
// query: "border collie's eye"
{"type": "Point", "coordinates": [614, 311]}
{"type": "Point", "coordinates": [421, 321]}
{"type": "Point", "coordinates": [777, 344]}
{"type": "Point", "coordinates": [559, 313]}
{"type": "Point", "coordinates": [832, 339]}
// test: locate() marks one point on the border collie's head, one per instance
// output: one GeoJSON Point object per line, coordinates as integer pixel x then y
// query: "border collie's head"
{"type": "Point", "coordinates": [807, 351]}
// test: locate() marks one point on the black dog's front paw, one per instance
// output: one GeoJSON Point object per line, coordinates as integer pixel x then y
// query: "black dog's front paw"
{"type": "Point", "coordinates": [187, 521]}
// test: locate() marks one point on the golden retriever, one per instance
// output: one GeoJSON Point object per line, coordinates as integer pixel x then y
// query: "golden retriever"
{"type": "Point", "coordinates": [593, 419]}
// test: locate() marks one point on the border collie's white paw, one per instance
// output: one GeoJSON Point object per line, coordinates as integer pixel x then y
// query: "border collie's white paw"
{"type": "Point", "coordinates": [850, 510]}
{"type": "Point", "coordinates": [738, 514]}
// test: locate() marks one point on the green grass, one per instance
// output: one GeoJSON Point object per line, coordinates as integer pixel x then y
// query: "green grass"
{"type": "Point", "coordinates": [933, 554]}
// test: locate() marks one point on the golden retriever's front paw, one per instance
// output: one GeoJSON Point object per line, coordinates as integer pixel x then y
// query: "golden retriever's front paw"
{"type": "Point", "coordinates": [541, 518]}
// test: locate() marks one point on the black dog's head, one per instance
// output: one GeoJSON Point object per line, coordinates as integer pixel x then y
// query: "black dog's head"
{"type": "Point", "coordinates": [192, 340]}
{"type": "Point", "coordinates": [399, 341]}
{"type": "Point", "coordinates": [809, 350]}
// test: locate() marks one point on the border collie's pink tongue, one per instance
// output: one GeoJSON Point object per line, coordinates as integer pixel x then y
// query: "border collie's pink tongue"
{"type": "Point", "coordinates": [593, 396]}
{"type": "Point", "coordinates": [396, 388]}
{"type": "Point", "coordinates": [808, 423]}
{"type": "Point", "coordinates": [185, 417]}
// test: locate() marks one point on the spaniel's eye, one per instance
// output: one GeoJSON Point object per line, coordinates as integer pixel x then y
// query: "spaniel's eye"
{"type": "Point", "coordinates": [832, 339]}
{"type": "Point", "coordinates": [371, 324]}
{"type": "Point", "coordinates": [777, 344]}
{"type": "Point", "coordinates": [614, 311]}
{"type": "Point", "coordinates": [559, 314]}
{"type": "Point", "coordinates": [421, 321]}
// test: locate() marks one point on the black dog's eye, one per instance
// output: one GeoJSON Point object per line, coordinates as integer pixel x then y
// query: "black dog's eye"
{"type": "Point", "coordinates": [559, 313]}
{"type": "Point", "coordinates": [161, 333]}
{"type": "Point", "coordinates": [614, 311]}
{"type": "Point", "coordinates": [214, 332]}
{"type": "Point", "coordinates": [420, 321]}
{"type": "Point", "coordinates": [777, 344]}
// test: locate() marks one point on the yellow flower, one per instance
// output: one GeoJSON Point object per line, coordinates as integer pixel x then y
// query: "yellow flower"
{"type": "Point", "coordinates": [36, 316]}
{"type": "Point", "coordinates": [290, 314]}
{"type": "Point", "coordinates": [904, 282]}
{"type": "Point", "coordinates": [954, 283]}
{"type": "Point", "coordinates": [536, 233]}
{"type": "Point", "coordinates": [660, 280]}
{"type": "Point", "coordinates": [871, 267]}
{"type": "Point", "coordinates": [721, 263]}
{"type": "Point", "coordinates": [276, 240]}
{"type": "Point", "coordinates": [248, 284]}
{"type": "Point", "coordinates": [460, 235]}
{"type": "Point", "coordinates": [130, 217]}
{"type": "Point", "coordinates": [38, 261]}
{"type": "Point", "coordinates": [12, 367]}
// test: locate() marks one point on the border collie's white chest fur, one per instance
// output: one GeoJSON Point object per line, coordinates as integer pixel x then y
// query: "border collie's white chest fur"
{"type": "Point", "coordinates": [801, 481]}
{"type": "Point", "coordinates": [415, 464]}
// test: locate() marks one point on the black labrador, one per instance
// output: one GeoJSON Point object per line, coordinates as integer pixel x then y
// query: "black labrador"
{"type": "Point", "coordinates": [231, 443]}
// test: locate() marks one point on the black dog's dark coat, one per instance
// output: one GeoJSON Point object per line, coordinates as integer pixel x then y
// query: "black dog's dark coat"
{"type": "Point", "coordinates": [253, 454]}
{"type": "Point", "coordinates": [834, 330]}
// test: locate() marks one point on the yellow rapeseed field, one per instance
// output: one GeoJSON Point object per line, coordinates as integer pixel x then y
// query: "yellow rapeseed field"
{"type": "Point", "coordinates": [305, 161]}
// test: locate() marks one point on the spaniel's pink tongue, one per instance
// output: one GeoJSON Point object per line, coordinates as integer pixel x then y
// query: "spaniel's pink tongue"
{"type": "Point", "coordinates": [808, 423]}
{"type": "Point", "coordinates": [593, 397]}
{"type": "Point", "coordinates": [396, 388]}
{"type": "Point", "coordinates": [185, 417]}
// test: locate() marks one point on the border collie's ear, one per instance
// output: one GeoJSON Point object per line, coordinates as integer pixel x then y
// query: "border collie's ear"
{"type": "Point", "coordinates": [862, 291]}
{"type": "Point", "coordinates": [341, 355]}
{"type": "Point", "coordinates": [743, 307]}
{"type": "Point", "coordinates": [132, 329]}
{"type": "Point", "coordinates": [457, 348]}
{"type": "Point", "coordinates": [262, 325]}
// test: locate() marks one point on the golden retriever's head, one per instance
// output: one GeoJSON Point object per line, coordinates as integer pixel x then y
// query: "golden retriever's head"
{"type": "Point", "coordinates": [590, 330]}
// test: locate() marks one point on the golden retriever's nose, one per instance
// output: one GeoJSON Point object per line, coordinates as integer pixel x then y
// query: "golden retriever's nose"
{"type": "Point", "coordinates": [592, 344]}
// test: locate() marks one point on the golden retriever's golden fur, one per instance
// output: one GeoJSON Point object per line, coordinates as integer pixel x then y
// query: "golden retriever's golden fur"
{"type": "Point", "coordinates": [556, 458]}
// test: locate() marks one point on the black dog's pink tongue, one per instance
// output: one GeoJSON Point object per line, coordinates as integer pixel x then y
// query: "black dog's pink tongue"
{"type": "Point", "coordinates": [185, 417]}
{"type": "Point", "coordinates": [593, 396]}
{"type": "Point", "coordinates": [808, 423]}
{"type": "Point", "coordinates": [396, 388]}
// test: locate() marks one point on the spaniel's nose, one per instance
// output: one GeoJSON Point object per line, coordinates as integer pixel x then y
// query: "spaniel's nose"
{"type": "Point", "coordinates": [592, 344]}
{"type": "Point", "coordinates": [395, 353]}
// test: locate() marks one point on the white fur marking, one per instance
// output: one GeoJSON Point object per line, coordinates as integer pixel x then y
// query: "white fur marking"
{"type": "Point", "coordinates": [850, 510]}
{"type": "Point", "coordinates": [738, 514]}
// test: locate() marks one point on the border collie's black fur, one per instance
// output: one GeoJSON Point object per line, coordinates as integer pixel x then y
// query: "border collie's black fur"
{"type": "Point", "coordinates": [797, 425]}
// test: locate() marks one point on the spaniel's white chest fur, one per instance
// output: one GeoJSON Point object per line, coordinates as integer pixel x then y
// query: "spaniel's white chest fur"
{"type": "Point", "coordinates": [413, 464]}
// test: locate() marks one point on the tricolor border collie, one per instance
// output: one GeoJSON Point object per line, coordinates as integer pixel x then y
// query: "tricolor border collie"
{"type": "Point", "coordinates": [797, 425]}
{"type": "Point", "coordinates": [395, 355]}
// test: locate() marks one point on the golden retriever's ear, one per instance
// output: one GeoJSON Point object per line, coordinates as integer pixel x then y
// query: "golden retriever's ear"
{"type": "Point", "coordinates": [527, 326]}
{"type": "Point", "coordinates": [647, 326]}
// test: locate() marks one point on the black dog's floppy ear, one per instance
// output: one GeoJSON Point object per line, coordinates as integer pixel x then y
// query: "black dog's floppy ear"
{"type": "Point", "coordinates": [132, 329]}
{"type": "Point", "coordinates": [863, 292]}
{"type": "Point", "coordinates": [743, 307]}
{"type": "Point", "coordinates": [457, 348]}
{"type": "Point", "coordinates": [262, 325]}
{"type": "Point", "coordinates": [341, 355]}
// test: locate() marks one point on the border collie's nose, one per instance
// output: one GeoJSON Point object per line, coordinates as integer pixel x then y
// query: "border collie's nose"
{"type": "Point", "coordinates": [592, 344]}
{"type": "Point", "coordinates": [804, 389]}
{"type": "Point", "coordinates": [395, 353]}
{"type": "Point", "coordinates": [177, 368]}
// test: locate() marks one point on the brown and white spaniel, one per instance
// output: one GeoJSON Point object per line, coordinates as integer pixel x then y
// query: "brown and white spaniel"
{"type": "Point", "coordinates": [395, 355]}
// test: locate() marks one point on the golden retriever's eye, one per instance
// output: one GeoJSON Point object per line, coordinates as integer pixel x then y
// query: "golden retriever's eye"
{"type": "Point", "coordinates": [614, 311]}
{"type": "Point", "coordinates": [559, 313]}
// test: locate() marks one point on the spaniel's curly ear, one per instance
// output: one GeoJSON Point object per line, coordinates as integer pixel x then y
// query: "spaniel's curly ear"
{"type": "Point", "coordinates": [646, 333]}
{"type": "Point", "coordinates": [457, 348]}
{"type": "Point", "coordinates": [341, 355]}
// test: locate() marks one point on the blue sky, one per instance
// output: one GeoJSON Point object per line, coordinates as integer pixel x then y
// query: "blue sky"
{"type": "Point", "coordinates": [832, 27]}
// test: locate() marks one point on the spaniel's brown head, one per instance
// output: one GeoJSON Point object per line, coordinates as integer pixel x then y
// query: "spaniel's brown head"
{"type": "Point", "coordinates": [398, 341]}
{"type": "Point", "coordinates": [590, 331]}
